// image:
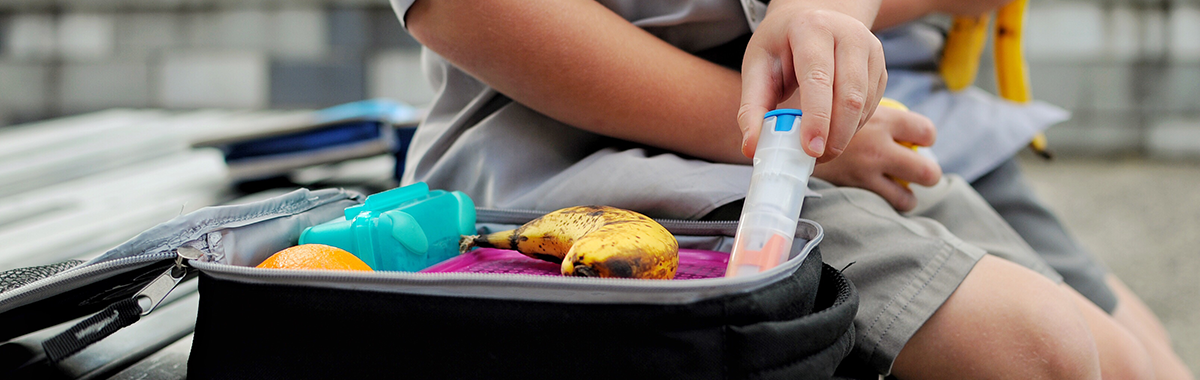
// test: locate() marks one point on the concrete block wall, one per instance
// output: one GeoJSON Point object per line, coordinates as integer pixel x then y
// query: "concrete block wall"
{"type": "Point", "coordinates": [86, 86]}
{"type": "Point", "coordinates": [214, 78]}
{"type": "Point", "coordinates": [1125, 68]}
{"type": "Point", "coordinates": [60, 57]}
{"type": "Point", "coordinates": [1129, 70]}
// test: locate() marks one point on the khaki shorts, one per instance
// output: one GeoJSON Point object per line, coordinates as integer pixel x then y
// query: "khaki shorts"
{"type": "Point", "coordinates": [906, 265]}
{"type": "Point", "coordinates": [1007, 191]}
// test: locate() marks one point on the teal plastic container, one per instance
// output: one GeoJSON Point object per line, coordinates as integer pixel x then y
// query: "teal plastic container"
{"type": "Point", "coordinates": [404, 229]}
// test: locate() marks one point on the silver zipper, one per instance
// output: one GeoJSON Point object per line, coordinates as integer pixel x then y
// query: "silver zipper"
{"type": "Point", "coordinates": [520, 286]}
{"type": "Point", "coordinates": [71, 279]}
{"type": "Point", "coordinates": [156, 291]}
{"type": "Point", "coordinates": [153, 294]}
{"type": "Point", "coordinates": [505, 286]}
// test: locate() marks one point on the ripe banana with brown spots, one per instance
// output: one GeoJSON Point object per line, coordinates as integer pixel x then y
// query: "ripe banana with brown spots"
{"type": "Point", "coordinates": [592, 241]}
{"type": "Point", "coordinates": [1012, 72]}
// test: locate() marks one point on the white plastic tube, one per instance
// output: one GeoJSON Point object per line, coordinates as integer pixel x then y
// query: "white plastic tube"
{"type": "Point", "coordinates": [772, 207]}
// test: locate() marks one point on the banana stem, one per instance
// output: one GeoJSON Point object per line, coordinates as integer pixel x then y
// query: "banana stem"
{"type": "Point", "coordinates": [466, 243]}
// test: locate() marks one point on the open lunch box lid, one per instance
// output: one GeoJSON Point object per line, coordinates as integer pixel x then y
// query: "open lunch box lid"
{"type": "Point", "coordinates": [147, 265]}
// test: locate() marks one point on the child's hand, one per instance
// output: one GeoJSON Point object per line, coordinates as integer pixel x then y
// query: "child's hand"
{"type": "Point", "coordinates": [829, 59]}
{"type": "Point", "coordinates": [873, 159]}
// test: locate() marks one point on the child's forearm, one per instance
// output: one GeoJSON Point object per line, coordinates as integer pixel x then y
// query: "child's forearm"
{"type": "Point", "coordinates": [896, 12]}
{"type": "Point", "coordinates": [579, 63]}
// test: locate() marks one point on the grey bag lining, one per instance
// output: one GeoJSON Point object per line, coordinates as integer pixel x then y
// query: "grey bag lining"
{"type": "Point", "coordinates": [233, 264]}
{"type": "Point", "coordinates": [192, 228]}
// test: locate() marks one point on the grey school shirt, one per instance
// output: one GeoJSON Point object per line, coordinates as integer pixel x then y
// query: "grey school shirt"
{"type": "Point", "coordinates": [505, 155]}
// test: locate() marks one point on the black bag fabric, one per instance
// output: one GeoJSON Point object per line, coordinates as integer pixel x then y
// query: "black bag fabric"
{"type": "Point", "coordinates": [15, 278]}
{"type": "Point", "coordinates": [796, 328]}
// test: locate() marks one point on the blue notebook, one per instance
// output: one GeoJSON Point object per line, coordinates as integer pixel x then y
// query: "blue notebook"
{"type": "Point", "coordinates": [344, 132]}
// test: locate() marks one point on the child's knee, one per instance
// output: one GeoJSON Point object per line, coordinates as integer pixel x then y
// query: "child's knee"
{"type": "Point", "coordinates": [1122, 355]}
{"type": "Point", "coordinates": [1003, 319]}
{"type": "Point", "coordinates": [1046, 331]}
{"type": "Point", "coordinates": [1126, 360]}
{"type": "Point", "coordinates": [1056, 336]}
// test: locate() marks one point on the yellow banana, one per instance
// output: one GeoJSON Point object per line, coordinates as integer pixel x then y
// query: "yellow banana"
{"type": "Point", "coordinates": [592, 241]}
{"type": "Point", "coordinates": [1012, 75]}
{"type": "Point", "coordinates": [964, 46]}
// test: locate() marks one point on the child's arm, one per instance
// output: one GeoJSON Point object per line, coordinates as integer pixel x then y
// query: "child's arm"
{"type": "Point", "coordinates": [579, 63]}
{"type": "Point", "coordinates": [582, 64]}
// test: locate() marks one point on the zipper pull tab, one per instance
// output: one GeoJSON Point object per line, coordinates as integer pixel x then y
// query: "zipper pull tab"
{"type": "Point", "coordinates": [123, 313]}
{"type": "Point", "coordinates": [153, 294]}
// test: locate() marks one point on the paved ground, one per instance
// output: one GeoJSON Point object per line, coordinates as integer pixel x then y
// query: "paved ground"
{"type": "Point", "coordinates": [1143, 219]}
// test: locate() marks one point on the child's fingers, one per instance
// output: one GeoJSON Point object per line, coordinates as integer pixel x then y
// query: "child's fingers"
{"type": "Point", "coordinates": [914, 128]}
{"type": "Point", "coordinates": [814, 65]}
{"type": "Point", "coordinates": [909, 166]}
{"type": "Point", "coordinates": [851, 92]}
{"type": "Point", "coordinates": [901, 198]}
{"type": "Point", "coordinates": [876, 71]}
{"type": "Point", "coordinates": [762, 85]}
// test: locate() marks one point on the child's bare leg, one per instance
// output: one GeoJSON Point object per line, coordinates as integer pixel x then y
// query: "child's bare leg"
{"type": "Point", "coordinates": [1135, 316]}
{"type": "Point", "coordinates": [1005, 321]}
{"type": "Point", "coordinates": [1122, 355]}
{"type": "Point", "coordinates": [1006, 189]}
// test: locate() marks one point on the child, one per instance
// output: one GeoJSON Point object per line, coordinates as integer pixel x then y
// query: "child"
{"type": "Point", "coordinates": [544, 104]}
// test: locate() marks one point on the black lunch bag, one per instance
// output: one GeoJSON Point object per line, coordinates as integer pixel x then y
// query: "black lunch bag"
{"type": "Point", "coordinates": [794, 321]}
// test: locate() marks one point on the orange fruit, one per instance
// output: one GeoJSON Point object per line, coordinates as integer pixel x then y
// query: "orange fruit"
{"type": "Point", "coordinates": [314, 256]}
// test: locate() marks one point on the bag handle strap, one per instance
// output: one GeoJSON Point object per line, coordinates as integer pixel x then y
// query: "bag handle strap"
{"type": "Point", "coordinates": [121, 314]}
{"type": "Point", "coordinates": [91, 330]}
